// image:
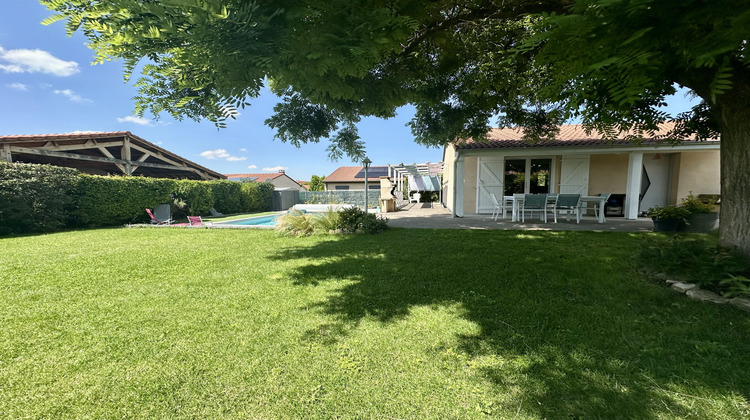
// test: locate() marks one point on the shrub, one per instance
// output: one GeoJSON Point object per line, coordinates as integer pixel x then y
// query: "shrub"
{"type": "Point", "coordinates": [116, 200]}
{"type": "Point", "coordinates": [354, 219]}
{"type": "Point", "coordinates": [227, 196]}
{"type": "Point", "coordinates": [327, 220]}
{"type": "Point", "coordinates": [35, 198]}
{"type": "Point", "coordinates": [371, 223]}
{"type": "Point", "coordinates": [351, 219]}
{"type": "Point", "coordinates": [295, 223]}
{"type": "Point", "coordinates": [668, 212]}
{"type": "Point", "coordinates": [693, 205]}
{"type": "Point", "coordinates": [192, 198]}
{"type": "Point", "coordinates": [698, 260]}
{"type": "Point", "coordinates": [256, 196]}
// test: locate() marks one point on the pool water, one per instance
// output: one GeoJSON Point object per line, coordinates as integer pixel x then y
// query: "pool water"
{"type": "Point", "coordinates": [255, 221]}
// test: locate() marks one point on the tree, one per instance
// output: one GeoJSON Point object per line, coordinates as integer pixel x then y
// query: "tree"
{"type": "Point", "coordinates": [316, 183]}
{"type": "Point", "coordinates": [536, 63]}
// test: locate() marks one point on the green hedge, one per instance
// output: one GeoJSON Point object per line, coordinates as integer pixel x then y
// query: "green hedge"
{"type": "Point", "coordinates": [256, 196]}
{"type": "Point", "coordinates": [192, 198]}
{"type": "Point", "coordinates": [45, 198]}
{"type": "Point", "coordinates": [227, 196]}
{"type": "Point", "coordinates": [112, 201]}
{"type": "Point", "coordinates": [35, 198]}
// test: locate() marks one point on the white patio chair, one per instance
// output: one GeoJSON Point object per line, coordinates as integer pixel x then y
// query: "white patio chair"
{"type": "Point", "coordinates": [495, 207]}
{"type": "Point", "coordinates": [532, 203]}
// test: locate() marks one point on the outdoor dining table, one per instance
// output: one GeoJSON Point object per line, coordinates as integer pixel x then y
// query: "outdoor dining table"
{"type": "Point", "coordinates": [597, 200]}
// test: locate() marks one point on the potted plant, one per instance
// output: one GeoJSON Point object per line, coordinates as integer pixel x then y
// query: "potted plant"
{"type": "Point", "coordinates": [668, 218]}
{"type": "Point", "coordinates": [701, 215]}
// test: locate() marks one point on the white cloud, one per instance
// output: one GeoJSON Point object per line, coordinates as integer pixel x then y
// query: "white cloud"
{"type": "Point", "coordinates": [275, 169]}
{"type": "Point", "coordinates": [135, 120]}
{"type": "Point", "coordinates": [221, 154]}
{"type": "Point", "coordinates": [243, 150]}
{"type": "Point", "coordinates": [74, 97]}
{"type": "Point", "coordinates": [84, 132]}
{"type": "Point", "coordinates": [252, 167]}
{"type": "Point", "coordinates": [18, 86]}
{"type": "Point", "coordinates": [35, 61]}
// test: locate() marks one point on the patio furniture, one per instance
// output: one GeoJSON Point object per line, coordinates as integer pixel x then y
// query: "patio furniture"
{"type": "Point", "coordinates": [415, 198]}
{"type": "Point", "coordinates": [499, 207]}
{"type": "Point", "coordinates": [598, 201]}
{"type": "Point", "coordinates": [195, 220]}
{"type": "Point", "coordinates": [568, 203]}
{"type": "Point", "coordinates": [551, 204]}
{"type": "Point", "coordinates": [163, 212]}
{"type": "Point", "coordinates": [156, 221]}
{"type": "Point", "coordinates": [215, 213]}
{"type": "Point", "coordinates": [532, 203]}
{"type": "Point", "coordinates": [516, 201]}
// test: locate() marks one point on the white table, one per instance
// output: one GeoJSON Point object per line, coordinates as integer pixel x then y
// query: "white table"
{"type": "Point", "coordinates": [597, 200]}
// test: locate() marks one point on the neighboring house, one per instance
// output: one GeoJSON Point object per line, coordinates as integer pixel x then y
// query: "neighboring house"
{"type": "Point", "coordinates": [102, 153]}
{"type": "Point", "coordinates": [645, 175]}
{"type": "Point", "coordinates": [280, 180]}
{"type": "Point", "coordinates": [304, 184]}
{"type": "Point", "coordinates": [353, 178]}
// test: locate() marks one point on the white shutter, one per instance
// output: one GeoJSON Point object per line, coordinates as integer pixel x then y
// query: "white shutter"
{"type": "Point", "coordinates": [489, 181]}
{"type": "Point", "coordinates": [574, 175]}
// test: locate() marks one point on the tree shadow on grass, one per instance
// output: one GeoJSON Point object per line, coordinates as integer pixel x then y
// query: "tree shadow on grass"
{"type": "Point", "coordinates": [594, 339]}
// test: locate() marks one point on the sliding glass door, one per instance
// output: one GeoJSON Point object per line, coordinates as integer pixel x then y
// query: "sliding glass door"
{"type": "Point", "coordinates": [528, 176]}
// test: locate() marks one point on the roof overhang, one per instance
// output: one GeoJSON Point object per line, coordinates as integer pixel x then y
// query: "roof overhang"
{"type": "Point", "coordinates": [107, 153]}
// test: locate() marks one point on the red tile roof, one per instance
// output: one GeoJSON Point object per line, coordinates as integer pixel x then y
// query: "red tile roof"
{"type": "Point", "coordinates": [346, 174]}
{"type": "Point", "coordinates": [569, 136]}
{"type": "Point", "coordinates": [262, 177]}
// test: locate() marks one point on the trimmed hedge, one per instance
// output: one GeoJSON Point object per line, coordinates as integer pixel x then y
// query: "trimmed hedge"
{"type": "Point", "coordinates": [35, 198]}
{"type": "Point", "coordinates": [256, 196]}
{"type": "Point", "coordinates": [44, 198]}
{"type": "Point", "coordinates": [112, 201]}
{"type": "Point", "coordinates": [192, 198]}
{"type": "Point", "coordinates": [227, 196]}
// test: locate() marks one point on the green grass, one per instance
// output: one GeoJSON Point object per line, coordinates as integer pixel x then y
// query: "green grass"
{"type": "Point", "coordinates": [201, 323]}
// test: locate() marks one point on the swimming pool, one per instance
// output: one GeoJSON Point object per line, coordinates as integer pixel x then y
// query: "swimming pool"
{"type": "Point", "coordinates": [263, 221]}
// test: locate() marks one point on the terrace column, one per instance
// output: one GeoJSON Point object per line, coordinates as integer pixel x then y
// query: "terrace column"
{"type": "Point", "coordinates": [5, 154]}
{"type": "Point", "coordinates": [633, 187]}
{"type": "Point", "coordinates": [458, 187]}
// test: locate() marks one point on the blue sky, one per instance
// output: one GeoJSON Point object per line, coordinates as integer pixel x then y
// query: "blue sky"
{"type": "Point", "coordinates": [48, 85]}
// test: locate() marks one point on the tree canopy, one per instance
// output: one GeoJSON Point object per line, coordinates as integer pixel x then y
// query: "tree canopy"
{"type": "Point", "coordinates": [535, 63]}
{"type": "Point", "coordinates": [316, 183]}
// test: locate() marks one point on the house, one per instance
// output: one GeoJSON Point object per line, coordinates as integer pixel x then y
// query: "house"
{"type": "Point", "coordinates": [353, 178]}
{"type": "Point", "coordinates": [280, 180]}
{"type": "Point", "coordinates": [649, 174]}
{"type": "Point", "coordinates": [102, 153]}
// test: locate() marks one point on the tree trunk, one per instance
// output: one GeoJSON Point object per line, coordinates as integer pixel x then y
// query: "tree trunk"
{"type": "Point", "coordinates": [734, 228]}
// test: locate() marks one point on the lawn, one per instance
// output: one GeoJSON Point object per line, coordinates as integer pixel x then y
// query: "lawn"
{"type": "Point", "coordinates": [201, 323]}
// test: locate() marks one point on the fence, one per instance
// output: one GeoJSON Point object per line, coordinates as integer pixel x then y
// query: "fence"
{"type": "Point", "coordinates": [355, 197]}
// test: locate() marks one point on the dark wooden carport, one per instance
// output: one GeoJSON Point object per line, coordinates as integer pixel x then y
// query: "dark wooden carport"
{"type": "Point", "coordinates": [102, 153]}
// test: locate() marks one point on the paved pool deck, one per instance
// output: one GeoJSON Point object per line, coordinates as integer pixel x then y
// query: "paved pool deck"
{"type": "Point", "coordinates": [435, 216]}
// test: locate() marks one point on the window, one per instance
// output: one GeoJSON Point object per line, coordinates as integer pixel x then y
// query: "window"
{"type": "Point", "coordinates": [342, 187]}
{"type": "Point", "coordinates": [373, 187]}
{"type": "Point", "coordinates": [528, 176]}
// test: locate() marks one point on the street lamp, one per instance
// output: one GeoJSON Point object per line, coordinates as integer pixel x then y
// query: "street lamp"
{"type": "Point", "coordinates": [366, 163]}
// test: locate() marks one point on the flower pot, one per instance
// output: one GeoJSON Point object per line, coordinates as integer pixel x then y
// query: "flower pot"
{"type": "Point", "coordinates": [662, 224]}
{"type": "Point", "coordinates": [701, 222]}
